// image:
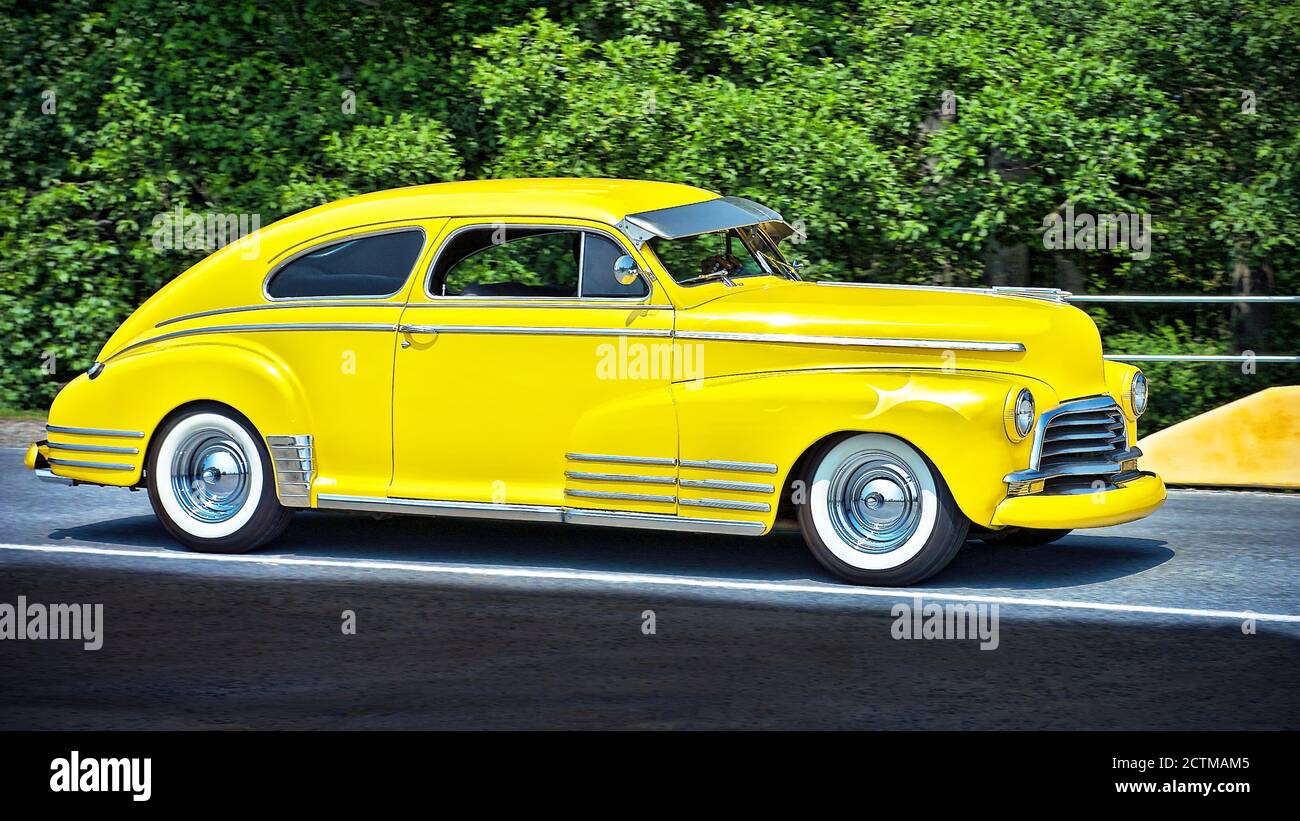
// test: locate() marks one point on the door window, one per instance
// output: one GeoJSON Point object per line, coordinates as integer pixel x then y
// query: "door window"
{"type": "Point", "coordinates": [508, 261]}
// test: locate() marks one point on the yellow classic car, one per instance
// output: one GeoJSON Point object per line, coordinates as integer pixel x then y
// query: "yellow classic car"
{"type": "Point", "coordinates": [600, 352]}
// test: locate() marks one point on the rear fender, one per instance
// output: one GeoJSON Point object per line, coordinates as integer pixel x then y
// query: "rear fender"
{"type": "Point", "coordinates": [133, 394]}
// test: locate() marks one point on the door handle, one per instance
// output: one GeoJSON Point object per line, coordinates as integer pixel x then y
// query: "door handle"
{"type": "Point", "coordinates": [415, 329]}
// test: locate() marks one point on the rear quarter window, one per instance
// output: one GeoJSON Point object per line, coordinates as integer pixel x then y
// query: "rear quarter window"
{"type": "Point", "coordinates": [368, 266]}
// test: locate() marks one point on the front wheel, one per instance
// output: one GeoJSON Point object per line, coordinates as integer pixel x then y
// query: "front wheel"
{"type": "Point", "coordinates": [211, 483]}
{"type": "Point", "coordinates": [878, 512]}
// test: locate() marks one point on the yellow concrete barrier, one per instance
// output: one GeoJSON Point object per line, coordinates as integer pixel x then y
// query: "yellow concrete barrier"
{"type": "Point", "coordinates": [1253, 442]}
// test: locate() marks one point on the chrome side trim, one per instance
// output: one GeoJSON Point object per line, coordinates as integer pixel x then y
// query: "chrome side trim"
{"type": "Point", "coordinates": [488, 302]}
{"type": "Point", "coordinates": [720, 484]}
{"type": "Point", "coordinates": [92, 448]}
{"type": "Point", "coordinates": [854, 341]}
{"type": "Point", "coordinates": [722, 464]}
{"type": "Point", "coordinates": [588, 303]}
{"type": "Point", "coordinates": [615, 495]}
{"type": "Point", "coordinates": [322, 303]}
{"type": "Point", "coordinates": [427, 507]}
{"type": "Point", "coordinates": [47, 475]}
{"type": "Point", "coordinates": [78, 463]}
{"type": "Point", "coordinates": [729, 504]}
{"type": "Point", "coordinates": [230, 329]}
{"type": "Point", "coordinates": [1052, 294]}
{"type": "Point", "coordinates": [292, 459]}
{"type": "Point", "coordinates": [529, 330]}
{"type": "Point", "coordinates": [621, 460]}
{"type": "Point", "coordinates": [126, 434]}
{"type": "Point", "coordinates": [619, 477]}
{"type": "Point", "coordinates": [657, 521]}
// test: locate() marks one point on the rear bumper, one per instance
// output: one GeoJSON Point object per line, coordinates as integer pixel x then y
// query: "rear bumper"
{"type": "Point", "coordinates": [1126, 503]}
{"type": "Point", "coordinates": [34, 460]}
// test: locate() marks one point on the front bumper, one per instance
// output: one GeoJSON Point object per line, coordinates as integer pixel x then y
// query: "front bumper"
{"type": "Point", "coordinates": [1130, 501]}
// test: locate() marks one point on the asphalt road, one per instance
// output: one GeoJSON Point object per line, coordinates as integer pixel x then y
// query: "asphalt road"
{"type": "Point", "coordinates": [464, 624]}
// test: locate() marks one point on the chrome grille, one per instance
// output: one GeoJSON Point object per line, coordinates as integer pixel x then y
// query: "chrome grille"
{"type": "Point", "coordinates": [1081, 437]}
{"type": "Point", "coordinates": [1075, 439]}
{"type": "Point", "coordinates": [1076, 445]}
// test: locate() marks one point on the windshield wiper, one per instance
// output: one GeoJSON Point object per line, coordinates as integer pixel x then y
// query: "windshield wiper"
{"type": "Point", "coordinates": [716, 275]}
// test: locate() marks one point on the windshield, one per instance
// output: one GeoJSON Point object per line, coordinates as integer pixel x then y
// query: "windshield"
{"type": "Point", "coordinates": [730, 254]}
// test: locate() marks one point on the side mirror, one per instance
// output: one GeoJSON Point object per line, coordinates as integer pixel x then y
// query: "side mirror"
{"type": "Point", "coordinates": [625, 270]}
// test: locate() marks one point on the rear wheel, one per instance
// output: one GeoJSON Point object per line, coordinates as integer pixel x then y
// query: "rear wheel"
{"type": "Point", "coordinates": [878, 512]}
{"type": "Point", "coordinates": [211, 483]}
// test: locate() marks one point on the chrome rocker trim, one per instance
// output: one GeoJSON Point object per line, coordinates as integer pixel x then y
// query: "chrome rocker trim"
{"type": "Point", "coordinates": [656, 521]}
{"type": "Point", "coordinates": [538, 513]}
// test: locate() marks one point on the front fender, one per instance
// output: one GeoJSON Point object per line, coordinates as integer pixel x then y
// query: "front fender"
{"type": "Point", "coordinates": [135, 393]}
{"type": "Point", "coordinates": [955, 419]}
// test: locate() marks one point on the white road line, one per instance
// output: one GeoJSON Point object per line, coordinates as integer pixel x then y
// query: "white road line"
{"type": "Point", "coordinates": [653, 580]}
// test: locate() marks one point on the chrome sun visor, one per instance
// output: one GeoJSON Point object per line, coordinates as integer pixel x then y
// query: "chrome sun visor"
{"type": "Point", "coordinates": [703, 218]}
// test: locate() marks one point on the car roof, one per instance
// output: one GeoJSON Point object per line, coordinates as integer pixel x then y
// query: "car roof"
{"type": "Point", "coordinates": [600, 200]}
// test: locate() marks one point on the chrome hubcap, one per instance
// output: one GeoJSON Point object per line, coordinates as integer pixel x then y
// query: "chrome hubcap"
{"type": "Point", "coordinates": [874, 501]}
{"type": "Point", "coordinates": [210, 476]}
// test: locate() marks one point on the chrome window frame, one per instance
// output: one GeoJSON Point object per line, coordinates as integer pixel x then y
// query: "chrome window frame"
{"type": "Point", "coordinates": [311, 249]}
{"type": "Point", "coordinates": [616, 301]}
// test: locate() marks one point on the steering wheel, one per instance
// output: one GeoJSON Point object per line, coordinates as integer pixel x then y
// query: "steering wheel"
{"type": "Point", "coordinates": [724, 263]}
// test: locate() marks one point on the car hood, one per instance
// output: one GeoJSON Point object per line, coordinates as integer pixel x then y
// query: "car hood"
{"type": "Point", "coordinates": [1062, 346]}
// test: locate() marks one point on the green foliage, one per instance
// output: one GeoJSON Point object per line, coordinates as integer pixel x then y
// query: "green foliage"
{"type": "Point", "coordinates": [839, 114]}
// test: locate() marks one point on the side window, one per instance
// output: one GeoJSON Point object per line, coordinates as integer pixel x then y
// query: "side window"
{"type": "Point", "coordinates": [377, 265]}
{"type": "Point", "coordinates": [598, 256]}
{"type": "Point", "coordinates": [513, 262]}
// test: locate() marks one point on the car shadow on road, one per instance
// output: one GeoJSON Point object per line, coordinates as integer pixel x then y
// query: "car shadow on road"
{"type": "Point", "coordinates": [1079, 559]}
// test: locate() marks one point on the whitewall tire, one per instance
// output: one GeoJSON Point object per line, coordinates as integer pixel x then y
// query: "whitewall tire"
{"type": "Point", "coordinates": [211, 482]}
{"type": "Point", "coordinates": [878, 512]}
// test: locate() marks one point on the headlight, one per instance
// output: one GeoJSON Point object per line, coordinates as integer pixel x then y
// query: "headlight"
{"type": "Point", "coordinates": [1019, 414]}
{"type": "Point", "coordinates": [1137, 393]}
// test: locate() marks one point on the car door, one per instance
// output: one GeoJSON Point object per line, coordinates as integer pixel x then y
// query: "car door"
{"type": "Point", "coordinates": [527, 375]}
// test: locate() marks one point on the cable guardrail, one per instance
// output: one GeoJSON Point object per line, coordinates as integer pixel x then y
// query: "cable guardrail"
{"type": "Point", "coordinates": [1192, 299]}
{"type": "Point", "coordinates": [1171, 298]}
